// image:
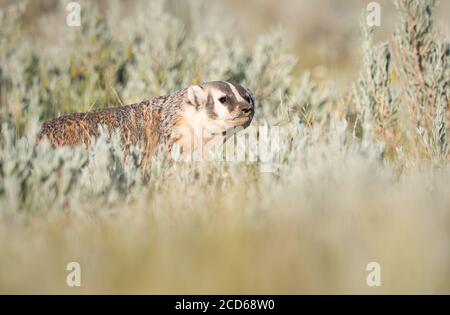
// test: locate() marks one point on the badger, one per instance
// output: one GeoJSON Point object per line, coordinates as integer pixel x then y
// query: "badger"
{"type": "Point", "coordinates": [207, 113]}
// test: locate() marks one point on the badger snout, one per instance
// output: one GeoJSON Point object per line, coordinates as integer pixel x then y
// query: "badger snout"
{"type": "Point", "coordinates": [246, 109]}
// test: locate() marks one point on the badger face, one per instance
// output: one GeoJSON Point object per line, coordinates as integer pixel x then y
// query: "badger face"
{"type": "Point", "coordinates": [222, 105]}
{"type": "Point", "coordinates": [210, 114]}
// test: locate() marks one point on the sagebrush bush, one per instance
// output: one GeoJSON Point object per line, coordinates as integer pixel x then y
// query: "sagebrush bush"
{"type": "Point", "coordinates": [424, 69]}
{"type": "Point", "coordinates": [353, 179]}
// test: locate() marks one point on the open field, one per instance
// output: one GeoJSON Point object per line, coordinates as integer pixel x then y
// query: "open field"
{"type": "Point", "coordinates": [360, 171]}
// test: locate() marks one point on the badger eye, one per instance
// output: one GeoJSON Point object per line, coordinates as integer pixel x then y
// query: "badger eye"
{"type": "Point", "coordinates": [223, 99]}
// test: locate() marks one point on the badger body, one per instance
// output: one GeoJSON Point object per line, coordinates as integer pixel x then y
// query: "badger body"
{"type": "Point", "coordinates": [163, 121]}
{"type": "Point", "coordinates": [138, 124]}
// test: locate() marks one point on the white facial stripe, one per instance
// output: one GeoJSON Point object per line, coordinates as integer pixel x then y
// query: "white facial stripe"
{"type": "Point", "coordinates": [235, 92]}
{"type": "Point", "coordinates": [217, 94]}
{"type": "Point", "coordinates": [220, 109]}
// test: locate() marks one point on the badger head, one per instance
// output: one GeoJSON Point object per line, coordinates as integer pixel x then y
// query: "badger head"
{"type": "Point", "coordinates": [211, 113]}
{"type": "Point", "coordinates": [222, 105]}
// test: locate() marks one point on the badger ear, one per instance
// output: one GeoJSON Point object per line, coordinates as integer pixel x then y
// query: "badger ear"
{"type": "Point", "coordinates": [196, 96]}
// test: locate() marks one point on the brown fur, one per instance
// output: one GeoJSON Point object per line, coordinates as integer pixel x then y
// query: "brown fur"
{"type": "Point", "coordinates": [139, 124]}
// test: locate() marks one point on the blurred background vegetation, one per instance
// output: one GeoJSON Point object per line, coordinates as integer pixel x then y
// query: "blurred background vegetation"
{"type": "Point", "coordinates": [323, 35]}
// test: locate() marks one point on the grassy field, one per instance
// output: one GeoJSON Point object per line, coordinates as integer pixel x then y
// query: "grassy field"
{"type": "Point", "coordinates": [360, 172]}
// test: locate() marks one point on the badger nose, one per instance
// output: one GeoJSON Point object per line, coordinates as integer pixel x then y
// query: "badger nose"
{"type": "Point", "coordinates": [246, 108]}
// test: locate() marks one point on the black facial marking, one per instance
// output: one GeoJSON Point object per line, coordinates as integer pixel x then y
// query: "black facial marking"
{"type": "Point", "coordinates": [243, 92]}
{"type": "Point", "coordinates": [231, 100]}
